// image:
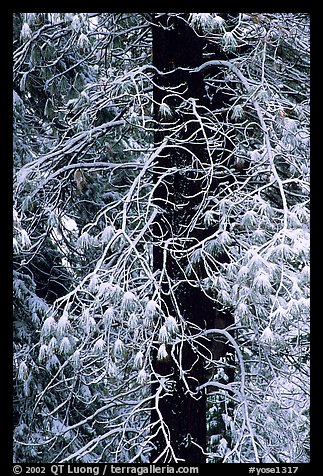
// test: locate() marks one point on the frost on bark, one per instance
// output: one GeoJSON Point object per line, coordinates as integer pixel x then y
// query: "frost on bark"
{"type": "Point", "coordinates": [177, 50]}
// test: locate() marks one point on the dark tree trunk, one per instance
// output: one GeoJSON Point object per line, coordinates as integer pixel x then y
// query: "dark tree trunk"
{"type": "Point", "coordinates": [176, 47]}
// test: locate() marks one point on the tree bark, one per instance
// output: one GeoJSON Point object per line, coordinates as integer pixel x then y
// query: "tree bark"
{"type": "Point", "coordinates": [176, 47]}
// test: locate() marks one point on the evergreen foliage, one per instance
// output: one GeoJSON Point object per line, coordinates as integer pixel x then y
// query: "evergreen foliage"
{"type": "Point", "coordinates": [89, 314]}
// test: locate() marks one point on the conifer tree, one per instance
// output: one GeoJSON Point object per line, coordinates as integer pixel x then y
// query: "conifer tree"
{"type": "Point", "coordinates": [161, 237]}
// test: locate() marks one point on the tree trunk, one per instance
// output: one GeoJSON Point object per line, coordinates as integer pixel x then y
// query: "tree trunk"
{"type": "Point", "coordinates": [183, 410]}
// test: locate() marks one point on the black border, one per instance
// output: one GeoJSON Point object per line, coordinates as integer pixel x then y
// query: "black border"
{"type": "Point", "coordinates": [6, 211]}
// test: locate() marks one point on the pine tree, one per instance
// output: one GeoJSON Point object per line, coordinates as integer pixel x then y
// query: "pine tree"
{"type": "Point", "coordinates": [161, 237]}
